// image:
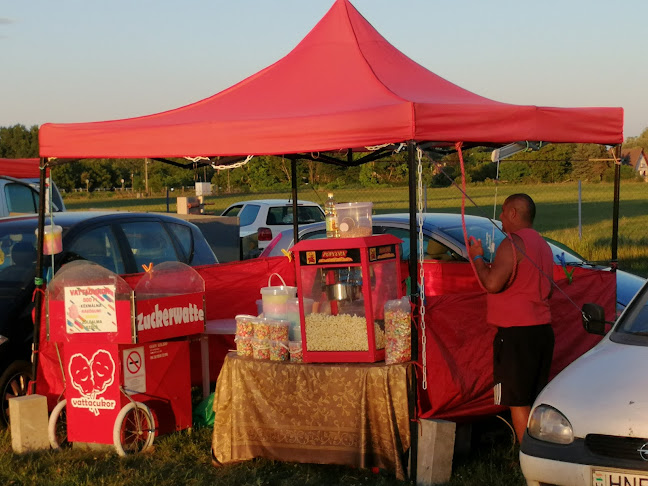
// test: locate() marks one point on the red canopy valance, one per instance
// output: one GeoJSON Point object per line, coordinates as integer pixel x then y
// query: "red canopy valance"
{"type": "Point", "coordinates": [342, 86]}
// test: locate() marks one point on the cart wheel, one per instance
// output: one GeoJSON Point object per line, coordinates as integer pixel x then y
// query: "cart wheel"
{"type": "Point", "coordinates": [57, 428]}
{"type": "Point", "coordinates": [134, 429]}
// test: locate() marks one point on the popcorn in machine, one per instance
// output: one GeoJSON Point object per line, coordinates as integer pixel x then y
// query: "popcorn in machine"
{"type": "Point", "coordinates": [349, 281]}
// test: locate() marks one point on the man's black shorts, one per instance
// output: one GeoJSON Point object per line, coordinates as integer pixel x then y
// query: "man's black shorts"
{"type": "Point", "coordinates": [521, 363]}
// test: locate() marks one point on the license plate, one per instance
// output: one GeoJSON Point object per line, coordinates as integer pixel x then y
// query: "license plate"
{"type": "Point", "coordinates": [618, 478]}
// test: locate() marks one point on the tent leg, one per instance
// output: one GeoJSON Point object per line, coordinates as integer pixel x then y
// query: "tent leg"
{"type": "Point", "coordinates": [293, 173]}
{"type": "Point", "coordinates": [615, 210]}
{"type": "Point", "coordinates": [413, 271]}
{"type": "Point", "coordinates": [38, 279]}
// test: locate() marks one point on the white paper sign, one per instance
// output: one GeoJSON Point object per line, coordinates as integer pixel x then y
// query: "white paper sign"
{"type": "Point", "coordinates": [134, 370]}
{"type": "Point", "coordinates": [90, 308]}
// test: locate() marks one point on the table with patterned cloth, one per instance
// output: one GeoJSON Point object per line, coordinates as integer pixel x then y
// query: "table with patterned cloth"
{"type": "Point", "coordinates": [352, 414]}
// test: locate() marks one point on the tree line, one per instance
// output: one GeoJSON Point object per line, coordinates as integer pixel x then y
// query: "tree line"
{"type": "Point", "coordinates": [553, 163]}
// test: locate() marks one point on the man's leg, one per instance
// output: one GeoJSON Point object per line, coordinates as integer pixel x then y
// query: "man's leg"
{"type": "Point", "coordinates": [520, 417]}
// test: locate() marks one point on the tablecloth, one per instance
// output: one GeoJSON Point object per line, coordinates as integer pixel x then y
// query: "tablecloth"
{"type": "Point", "coordinates": [353, 414]}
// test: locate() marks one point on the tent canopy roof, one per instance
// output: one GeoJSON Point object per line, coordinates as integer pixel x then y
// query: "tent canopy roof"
{"type": "Point", "coordinates": [342, 86]}
{"type": "Point", "coordinates": [20, 168]}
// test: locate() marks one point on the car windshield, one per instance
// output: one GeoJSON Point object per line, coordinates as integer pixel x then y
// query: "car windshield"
{"type": "Point", "coordinates": [635, 321]}
{"type": "Point", "coordinates": [489, 235]}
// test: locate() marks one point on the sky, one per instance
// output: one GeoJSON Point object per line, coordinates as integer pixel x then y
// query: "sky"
{"type": "Point", "coordinates": [92, 60]}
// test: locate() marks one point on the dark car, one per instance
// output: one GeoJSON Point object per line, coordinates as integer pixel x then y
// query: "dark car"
{"type": "Point", "coordinates": [120, 241]}
{"type": "Point", "coordinates": [443, 240]}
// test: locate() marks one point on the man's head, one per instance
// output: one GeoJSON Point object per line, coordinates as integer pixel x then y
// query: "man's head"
{"type": "Point", "coordinates": [518, 211]}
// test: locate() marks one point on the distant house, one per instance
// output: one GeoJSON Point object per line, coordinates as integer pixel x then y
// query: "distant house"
{"type": "Point", "coordinates": [636, 158]}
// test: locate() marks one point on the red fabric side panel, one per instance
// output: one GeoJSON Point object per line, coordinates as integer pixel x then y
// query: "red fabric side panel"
{"type": "Point", "coordinates": [233, 288]}
{"type": "Point", "coordinates": [459, 342]}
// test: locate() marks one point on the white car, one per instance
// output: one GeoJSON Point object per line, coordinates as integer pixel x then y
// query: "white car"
{"type": "Point", "coordinates": [589, 426]}
{"type": "Point", "coordinates": [268, 217]}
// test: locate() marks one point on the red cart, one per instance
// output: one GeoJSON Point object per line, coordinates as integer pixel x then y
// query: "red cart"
{"type": "Point", "coordinates": [125, 362]}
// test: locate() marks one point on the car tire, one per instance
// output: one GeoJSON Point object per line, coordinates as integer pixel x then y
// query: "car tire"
{"type": "Point", "coordinates": [14, 382]}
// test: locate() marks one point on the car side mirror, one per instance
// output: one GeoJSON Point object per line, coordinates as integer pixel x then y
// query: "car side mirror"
{"type": "Point", "coordinates": [593, 318]}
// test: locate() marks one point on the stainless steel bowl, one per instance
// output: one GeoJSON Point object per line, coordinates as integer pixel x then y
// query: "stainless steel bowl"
{"type": "Point", "coordinates": [342, 291]}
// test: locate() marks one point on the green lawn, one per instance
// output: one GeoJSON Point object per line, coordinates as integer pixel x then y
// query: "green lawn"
{"type": "Point", "coordinates": [557, 206]}
{"type": "Point", "coordinates": [184, 459]}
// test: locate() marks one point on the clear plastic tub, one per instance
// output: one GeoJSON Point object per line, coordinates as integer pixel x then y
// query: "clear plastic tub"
{"type": "Point", "coordinates": [274, 298]}
{"type": "Point", "coordinates": [296, 352]}
{"type": "Point", "coordinates": [354, 219]}
{"type": "Point", "coordinates": [245, 325]}
{"type": "Point", "coordinates": [292, 315]}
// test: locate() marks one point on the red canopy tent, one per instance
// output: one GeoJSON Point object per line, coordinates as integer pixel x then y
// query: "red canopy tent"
{"type": "Point", "coordinates": [342, 86]}
{"type": "Point", "coordinates": [20, 168]}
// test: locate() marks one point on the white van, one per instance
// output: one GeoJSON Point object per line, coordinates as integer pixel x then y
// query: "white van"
{"type": "Point", "coordinates": [589, 426]}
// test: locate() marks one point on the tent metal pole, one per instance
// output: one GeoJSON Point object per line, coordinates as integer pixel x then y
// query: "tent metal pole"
{"type": "Point", "coordinates": [615, 210]}
{"type": "Point", "coordinates": [413, 271]}
{"type": "Point", "coordinates": [38, 278]}
{"type": "Point", "coordinates": [293, 175]}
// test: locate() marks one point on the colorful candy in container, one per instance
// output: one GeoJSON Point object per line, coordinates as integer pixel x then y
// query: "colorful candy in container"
{"type": "Point", "coordinates": [279, 351]}
{"type": "Point", "coordinates": [398, 331]}
{"type": "Point", "coordinates": [52, 239]}
{"type": "Point", "coordinates": [296, 353]}
{"type": "Point", "coordinates": [260, 348]}
{"type": "Point", "coordinates": [243, 346]}
{"type": "Point", "coordinates": [279, 330]}
{"type": "Point", "coordinates": [244, 334]}
{"type": "Point", "coordinates": [275, 297]}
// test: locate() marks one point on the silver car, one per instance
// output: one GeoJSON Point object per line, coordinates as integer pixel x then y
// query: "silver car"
{"type": "Point", "coordinates": [443, 240]}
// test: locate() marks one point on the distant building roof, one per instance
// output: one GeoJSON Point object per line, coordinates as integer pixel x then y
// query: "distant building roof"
{"type": "Point", "coordinates": [632, 156]}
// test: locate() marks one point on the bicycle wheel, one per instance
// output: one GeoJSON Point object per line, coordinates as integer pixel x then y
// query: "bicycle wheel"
{"type": "Point", "coordinates": [57, 427]}
{"type": "Point", "coordinates": [134, 429]}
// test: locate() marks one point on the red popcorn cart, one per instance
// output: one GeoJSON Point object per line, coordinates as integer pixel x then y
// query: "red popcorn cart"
{"type": "Point", "coordinates": [126, 367]}
{"type": "Point", "coordinates": [349, 280]}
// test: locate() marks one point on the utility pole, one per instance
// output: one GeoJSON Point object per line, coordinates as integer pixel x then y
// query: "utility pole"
{"type": "Point", "coordinates": [146, 163]}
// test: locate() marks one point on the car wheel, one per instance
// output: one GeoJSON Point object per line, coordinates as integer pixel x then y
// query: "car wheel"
{"type": "Point", "coordinates": [14, 382]}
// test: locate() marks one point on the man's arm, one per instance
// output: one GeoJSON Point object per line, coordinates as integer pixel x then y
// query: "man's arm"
{"type": "Point", "coordinates": [494, 277]}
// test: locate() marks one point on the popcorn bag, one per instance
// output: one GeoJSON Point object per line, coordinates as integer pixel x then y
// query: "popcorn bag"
{"type": "Point", "coordinates": [398, 331]}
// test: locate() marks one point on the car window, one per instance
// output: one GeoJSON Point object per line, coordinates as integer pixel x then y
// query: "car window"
{"type": "Point", "coordinates": [635, 321]}
{"type": "Point", "coordinates": [98, 245]}
{"type": "Point", "coordinates": [184, 236]}
{"type": "Point", "coordinates": [284, 215]}
{"type": "Point", "coordinates": [21, 199]}
{"type": "Point", "coordinates": [233, 211]}
{"type": "Point", "coordinates": [149, 243]}
{"type": "Point", "coordinates": [248, 214]}
{"type": "Point", "coordinates": [17, 257]}
{"type": "Point", "coordinates": [489, 235]}
{"type": "Point", "coordinates": [314, 235]}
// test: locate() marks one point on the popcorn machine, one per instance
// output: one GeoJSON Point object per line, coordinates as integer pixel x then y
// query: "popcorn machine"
{"type": "Point", "coordinates": [349, 281]}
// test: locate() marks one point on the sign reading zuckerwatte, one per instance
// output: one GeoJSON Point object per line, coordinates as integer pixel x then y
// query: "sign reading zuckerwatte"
{"type": "Point", "coordinates": [168, 317]}
{"type": "Point", "coordinates": [90, 308]}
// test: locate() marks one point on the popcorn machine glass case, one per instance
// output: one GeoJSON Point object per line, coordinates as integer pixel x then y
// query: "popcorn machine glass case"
{"type": "Point", "coordinates": [349, 280]}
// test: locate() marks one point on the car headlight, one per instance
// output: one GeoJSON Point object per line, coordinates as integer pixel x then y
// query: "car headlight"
{"type": "Point", "coordinates": [548, 424]}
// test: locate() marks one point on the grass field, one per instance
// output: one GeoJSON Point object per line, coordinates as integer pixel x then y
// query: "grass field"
{"type": "Point", "coordinates": [184, 459]}
{"type": "Point", "coordinates": [557, 215]}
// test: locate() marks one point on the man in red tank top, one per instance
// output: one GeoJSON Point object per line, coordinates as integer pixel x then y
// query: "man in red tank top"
{"type": "Point", "coordinates": [519, 285]}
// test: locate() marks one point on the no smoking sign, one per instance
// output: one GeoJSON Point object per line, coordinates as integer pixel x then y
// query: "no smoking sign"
{"type": "Point", "coordinates": [134, 370]}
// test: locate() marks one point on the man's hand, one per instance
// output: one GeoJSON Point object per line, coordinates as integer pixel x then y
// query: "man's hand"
{"type": "Point", "coordinates": [474, 248]}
